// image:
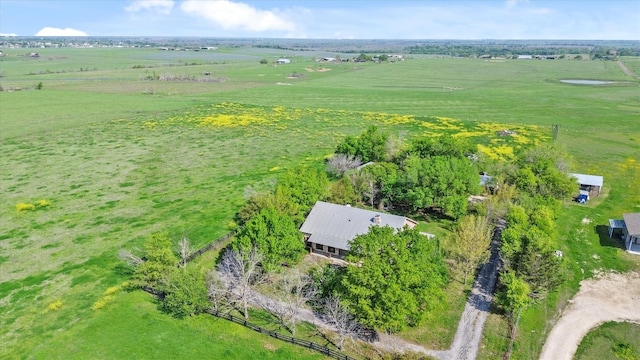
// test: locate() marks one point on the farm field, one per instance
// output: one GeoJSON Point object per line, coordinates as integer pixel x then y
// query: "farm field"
{"type": "Point", "coordinates": [120, 154]}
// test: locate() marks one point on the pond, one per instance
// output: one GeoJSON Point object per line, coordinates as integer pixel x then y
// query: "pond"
{"type": "Point", "coordinates": [587, 82]}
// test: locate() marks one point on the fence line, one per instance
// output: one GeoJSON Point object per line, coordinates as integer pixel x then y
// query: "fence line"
{"type": "Point", "coordinates": [210, 246]}
{"type": "Point", "coordinates": [290, 339]}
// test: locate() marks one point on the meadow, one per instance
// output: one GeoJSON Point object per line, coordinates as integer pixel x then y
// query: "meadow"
{"type": "Point", "coordinates": [120, 155]}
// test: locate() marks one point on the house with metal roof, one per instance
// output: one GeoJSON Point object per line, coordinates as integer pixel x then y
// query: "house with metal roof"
{"type": "Point", "coordinates": [630, 226]}
{"type": "Point", "coordinates": [590, 185]}
{"type": "Point", "coordinates": [329, 228]}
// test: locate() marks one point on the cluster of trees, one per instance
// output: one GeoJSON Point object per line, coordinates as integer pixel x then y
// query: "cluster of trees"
{"type": "Point", "coordinates": [528, 195]}
{"type": "Point", "coordinates": [393, 279]}
{"type": "Point", "coordinates": [427, 174]}
{"type": "Point", "coordinates": [270, 221]}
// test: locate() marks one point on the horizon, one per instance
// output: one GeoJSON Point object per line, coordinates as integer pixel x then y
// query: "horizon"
{"type": "Point", "coordinates": [325, 20]}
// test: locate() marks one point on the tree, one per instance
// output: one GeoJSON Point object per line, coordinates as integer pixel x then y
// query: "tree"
{"type": "Point", "coordinates": [342, 192]}
{"type": "Point", "coordinates": [279, 201]}
{"type": "Point", "coordinates": [469, 244]}
{"type": "Point", "coordinates": [239, 273]}
{"type": "Point", "coordinates": [393, 279]}
{"type": "Point", "coordinates": [184, 250]}
{"type": "Point", "coordinates": [273, 235]}
{"type": "Point", "coordinates": [185, 292]}
{"type": "Point", "coordinates": [513, 298]}
{"type": "Point", "coordinates": [159, 260]}
{"type": "Point", "coordinates": [341, 163]}
{"type": "Point", "coordinates": [294, 290]}
{"type": "Point", "coordinates": [264, 61]}
{"type": "Point", "coordinates": [445, 145]}
{"type": "Point", "coordinates": [216, 290]}
{"type": "Point", "coordinates": [340, 318]}
{"type": "Point", "coordinates": [441, 182]}
{"type": "Point", "coordinates": [368, 146]}
{"type": "Point", "coordinates": [304, 186]}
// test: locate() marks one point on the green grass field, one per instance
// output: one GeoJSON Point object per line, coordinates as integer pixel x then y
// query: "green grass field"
{"type": "Point", "coordinates": [100, 146]}
{"type": "Point", "coordinates": [611, 341]}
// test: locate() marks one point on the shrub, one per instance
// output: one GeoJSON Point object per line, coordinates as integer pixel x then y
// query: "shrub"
{"type": "Point", "coordinates": [112, 290]}
{"type": "Point", "coordinates": [104, 301]}
{"type": "Point", "coordinates": [43, 203]}
{"type": "Point", "coordinates": [56, 305]}
{"type": "Point", "coordinates": [25, 207]}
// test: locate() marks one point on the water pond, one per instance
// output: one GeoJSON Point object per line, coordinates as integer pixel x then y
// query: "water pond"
{"type": "Point", "coordinates": [587, 82]}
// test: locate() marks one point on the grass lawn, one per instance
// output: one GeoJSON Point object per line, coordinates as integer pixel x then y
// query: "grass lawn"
{"type": "Point", "coordinates": [611, 341]}
{"type": "Point", "coordinates": [109, 334]}
{"type": "Point", "coordinates": [120, 157]}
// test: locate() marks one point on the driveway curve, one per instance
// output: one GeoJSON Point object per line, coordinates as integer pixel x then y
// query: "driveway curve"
{"type": "Point", "coordinates": [612, 297]}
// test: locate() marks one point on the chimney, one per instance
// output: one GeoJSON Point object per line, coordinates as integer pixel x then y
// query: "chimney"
{"type": "Point", "coordinates": [377, 219]}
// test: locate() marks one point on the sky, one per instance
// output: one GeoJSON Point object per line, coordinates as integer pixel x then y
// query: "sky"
{"type": "Point", "coordinates": [326, 19]}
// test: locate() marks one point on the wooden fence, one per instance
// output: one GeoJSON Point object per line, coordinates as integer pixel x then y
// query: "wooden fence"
{"type": "Point", "coordinates": [210, 246]}
{"type": "Point", "coordinates": [304, 343]}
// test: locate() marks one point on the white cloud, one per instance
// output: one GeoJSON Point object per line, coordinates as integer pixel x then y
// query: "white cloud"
{"type": "Point", "coordinates": [163, 7]}
{"type": "Point", "coordinates": [51, 31]}
{"type": "Point", "coordinates": [237, 16]}
{"type": "Point", "coordinates": [511, 3]}
{"type": "Point", "coordinates": [7, 35]}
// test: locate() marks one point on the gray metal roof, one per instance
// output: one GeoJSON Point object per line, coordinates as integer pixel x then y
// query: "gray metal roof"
{"type": "Point", "coordinates": [632, 223]}
{"type": "Point", "coordinates": [335, 225]}
{"type": "Point", "coordinates": [593, 180]}
{"type": "Point", "coordinates": [616, 224]}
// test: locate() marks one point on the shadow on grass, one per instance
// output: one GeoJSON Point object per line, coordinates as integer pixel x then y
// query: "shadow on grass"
{"type": "Point", "coordinates": [603, 234]}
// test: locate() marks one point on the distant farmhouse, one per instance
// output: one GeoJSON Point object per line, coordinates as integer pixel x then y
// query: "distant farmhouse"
{"type": "Point", "coordinates": [330, 227]}
{"type": "Point", "coordinates": [283, 61]}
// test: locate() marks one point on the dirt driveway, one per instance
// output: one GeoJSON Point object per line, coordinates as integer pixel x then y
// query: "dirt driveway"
{"type": "Point", "coordinates": [612, 297]}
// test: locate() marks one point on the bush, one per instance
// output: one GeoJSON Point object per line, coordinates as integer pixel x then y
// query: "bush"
{"type": "Point", "coordinates": [25, 207]}
{"type": "Point", "coordinates": [56, 305]}
{"type": "Point", "coordinates": [43, 203]}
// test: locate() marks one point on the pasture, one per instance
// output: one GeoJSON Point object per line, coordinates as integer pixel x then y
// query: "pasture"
{"type": "Point", "coordinates": [120, 154]}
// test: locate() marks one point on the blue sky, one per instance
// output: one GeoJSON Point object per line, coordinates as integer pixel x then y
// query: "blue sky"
{"type": "Point", "coordinates": [348, 19]}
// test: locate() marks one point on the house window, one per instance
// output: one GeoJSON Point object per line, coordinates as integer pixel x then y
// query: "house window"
{"type": "Point", "coordinates": [332, 250]}
{"type": "Point", "coordinates": [343, 252]}
{"type": "Point", "coordinates": [319, 247]}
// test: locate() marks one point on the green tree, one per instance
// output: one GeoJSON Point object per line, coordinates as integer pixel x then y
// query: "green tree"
{"type": "Point", "coordinates": [393, 279]}
{"type": "Point", "coordinates": [278, 200]}
{"type": "Point", "coordinates": [442, 182]}
{"type": "Point", "coordinates": [304, 186]}
{"type": "Point", "coordinates": [158, 261]}
{"type": "Point", "coordinates": [368, 146]}
{"type": "Point", "coordinates": [445, 145]}
{"type": "Point", "coordinates": [469, 244]}
{"type": "Point", "coordinates": [342, 192]}
{"type": "Point", "coordinates": [275, 236]}
{"type": "Point", "coordinates": [514, 299]}
{"type": "Point", "coordinates": [185, 292]}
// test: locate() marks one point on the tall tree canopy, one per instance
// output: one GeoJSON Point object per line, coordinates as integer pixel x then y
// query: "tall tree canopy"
{"type": "Point", "coordinates": [304, 186]}
{"type": "Point", "coordinates": [445, 145]}
{"type": "Point", "coordinates": [368, 146]}
{"type": "Point", "coordinates": [438, 182]}
{"type": "Point", "coordinates": [275, 236]}
{"type": "Point", "coordinates": [393, 278]}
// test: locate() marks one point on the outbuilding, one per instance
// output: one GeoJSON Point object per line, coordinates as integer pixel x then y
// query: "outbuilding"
{"type": "Point", "coordinates": [283, 61]}
{"type": "Point", "coordinates": [590, 185]}
{"type": "Point", "coordinates": [630, 226]}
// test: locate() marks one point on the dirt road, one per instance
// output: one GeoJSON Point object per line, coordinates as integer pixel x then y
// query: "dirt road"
{"type": "Point", "coordinates": [612, 297]}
